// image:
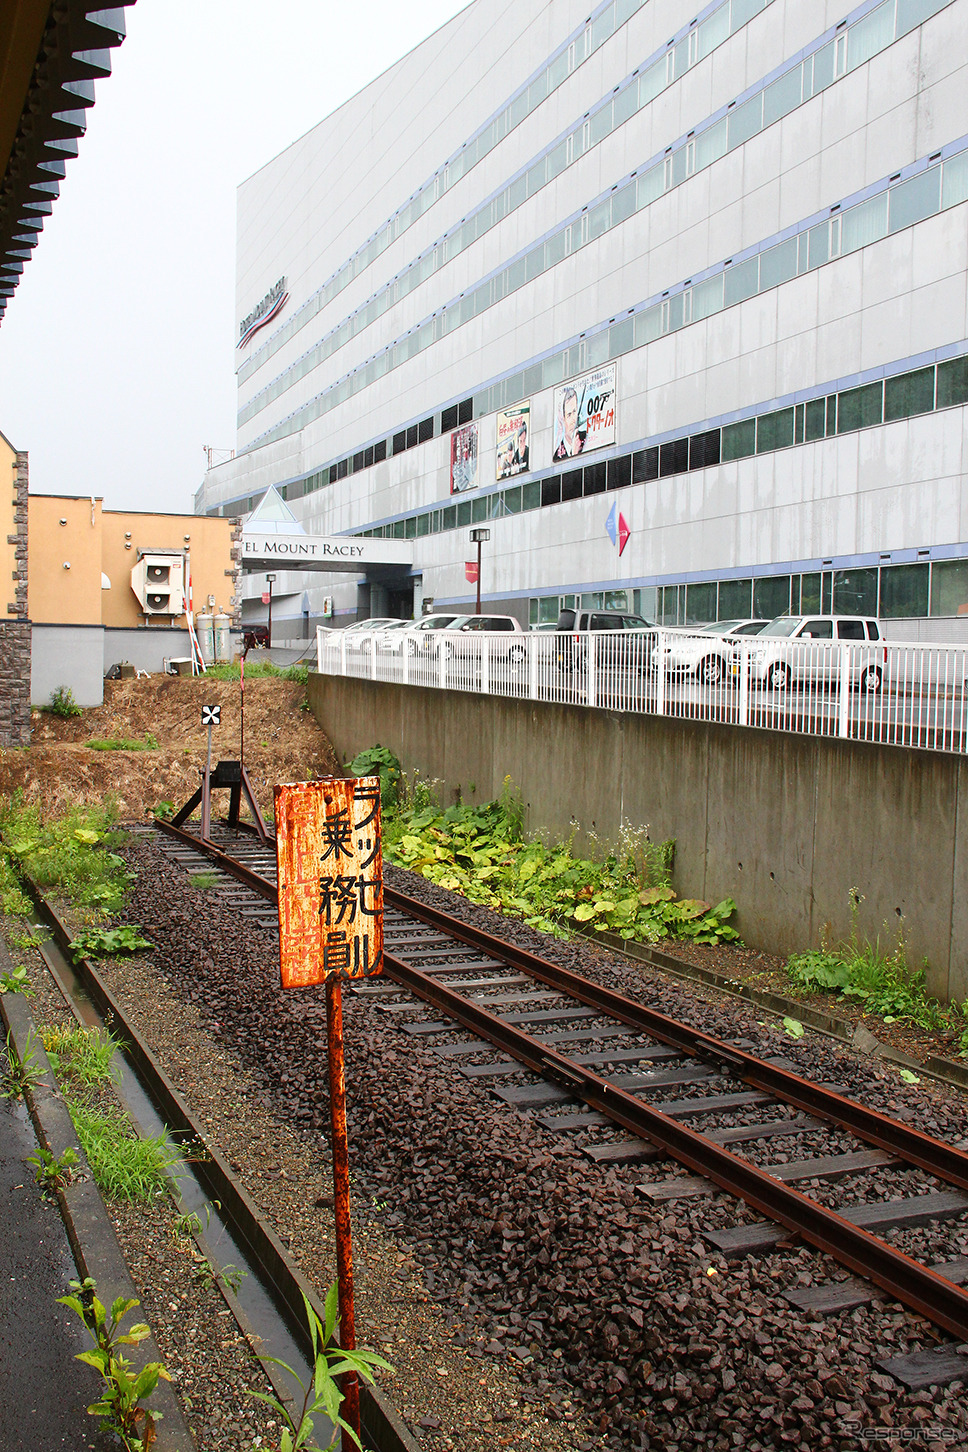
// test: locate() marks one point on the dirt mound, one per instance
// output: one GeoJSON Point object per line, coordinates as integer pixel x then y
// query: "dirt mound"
{"type": "Point", "coordinates": [283, 742]}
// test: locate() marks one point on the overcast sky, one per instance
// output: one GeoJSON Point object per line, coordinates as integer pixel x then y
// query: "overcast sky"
{"type": "Point", "coordinates": [117, 348]}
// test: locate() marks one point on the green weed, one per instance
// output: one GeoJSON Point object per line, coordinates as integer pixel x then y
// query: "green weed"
{"type": "Point", "coordinates": [107, 942]}
{"type": "Point", "coordinates": [480, 851]}
{"type": "Point", "coordinates": [75, 1052]}
{"type": "Point", "coordinates": [258, 670]}
{"type": "Point", "coordinates": [51, 1172]}
{"type": "Point", "coordinates": [322, 1394]}
{"type": "Point", "coordinates": [204, 880]}
{"type": "Point", "coordinates": [123, 1164]}
{"type": "Point", "coordinates": [16, 982]}
{"type": "Point", "coordinates": [62, 703]}
{"type": "Point", "coordinates": [72, 855]}
{"type": "Point", "coordinates": [885, 983]}
{"type": "Point", "coordinates": [123, 743]}
{"type": "Point", "coordinates": [187, 1226]}
{"type": "Point", "coordinates": [210, 1275]}
{"type": "Point", "coordinates": [23, 1072]}
{"type": "Point", "coordinates": [379, 761]}
{"type": "Point", "coordinates": [119, 1405]}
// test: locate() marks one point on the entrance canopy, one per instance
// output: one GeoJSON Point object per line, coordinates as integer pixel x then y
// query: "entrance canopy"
{"type": "Point", "coordinates": [273, 538]}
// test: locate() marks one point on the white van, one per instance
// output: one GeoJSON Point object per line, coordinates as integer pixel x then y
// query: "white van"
{"type": "Point", "coordinates": [812, 649]}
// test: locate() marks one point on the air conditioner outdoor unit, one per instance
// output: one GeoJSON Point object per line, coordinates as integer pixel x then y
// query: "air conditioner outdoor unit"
{"type": "Point", "coordinates": [158, 580]}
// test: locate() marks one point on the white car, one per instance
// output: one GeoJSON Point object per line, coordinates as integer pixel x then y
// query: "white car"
{"type": "Point", "coordinates": [419, 636]}
{"type": "Point", "coordinates": [809, 650]}
{"type": "Point", "coordinates": [463, 637]}
{"type": "Point", "coordinates": [704, 651]}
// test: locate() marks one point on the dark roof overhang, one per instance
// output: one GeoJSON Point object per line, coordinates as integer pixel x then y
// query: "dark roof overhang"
{"type": "Point", "coordinates": [51, 53]}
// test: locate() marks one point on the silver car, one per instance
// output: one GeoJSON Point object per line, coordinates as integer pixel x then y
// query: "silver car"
{"type": "Point", "coordinates": [704, 651]}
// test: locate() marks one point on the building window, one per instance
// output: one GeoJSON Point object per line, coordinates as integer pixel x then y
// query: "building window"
{"type": "Point", "coordinates": [904, 591]}
{"type": "Point", "coordinates": [771, 596]}
{"type": "Point", "coordinates": [855, 592]}
{"type": "Point", "coordinates": [949, 587]}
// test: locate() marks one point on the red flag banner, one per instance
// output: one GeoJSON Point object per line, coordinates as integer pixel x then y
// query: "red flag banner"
{"type": "Point", "coordinates": [471, 571]}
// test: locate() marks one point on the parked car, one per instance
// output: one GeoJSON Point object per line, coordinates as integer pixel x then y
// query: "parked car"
{"type": "Point", "coordinates": [628, 641]}
{"type": "Point", "coordinates": [462, 637]}
{"type": "Point", "coordinates": [705, 651]}
{"type": "Point", "coordinates": [420, 635]}
{"type": "Point", "coordinates": [805, 649]}
{"type": "Point", "coordinates": [391, 641]}
{"type": "Point", "coordinates": [357, 635]}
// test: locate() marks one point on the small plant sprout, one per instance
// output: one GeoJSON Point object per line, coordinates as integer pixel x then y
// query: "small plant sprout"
{"type": "Point", "coordinates": [208, 1274]}
{"type": "Point", "coordinates": [184, 1227]}
{"type": "Point", "coordinates": [16, 982]}
{"type": "Point", "coordinates": [52, 1171]}
{"type": "Point", "coordinates": [22, 1072]}
{"type": "Point", "coordinates": [322, 1397]}
{"type": "Point", "coordinates": [119, 1405]}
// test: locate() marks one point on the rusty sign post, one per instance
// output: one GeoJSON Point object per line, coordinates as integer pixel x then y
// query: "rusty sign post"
{"type": "Point", "coordinates": [330, 865]}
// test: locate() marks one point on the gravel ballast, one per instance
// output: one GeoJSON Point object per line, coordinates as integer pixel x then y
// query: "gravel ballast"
{"type": "Point", "coordinates": [528, 1298]}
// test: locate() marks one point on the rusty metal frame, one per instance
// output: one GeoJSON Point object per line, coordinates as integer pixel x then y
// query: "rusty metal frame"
{"type": "Point", "coordinates": [922, 1290]}
{"type": "Point", "coordinates": [919, 1149]}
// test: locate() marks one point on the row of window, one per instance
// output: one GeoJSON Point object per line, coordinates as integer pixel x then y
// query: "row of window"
{"type": "Point", "coordinates": [942, 385]}
{"type": "Point", "coordinates": [892, 592]}
{"type": "Point", "coordinates": [568, 58]}
{"type": "Point", "coordinates": [639, 91]}
{"type": "Point", "coordinates": [904, 395]}
{"type": "Point", "coordinates": [896, 205]}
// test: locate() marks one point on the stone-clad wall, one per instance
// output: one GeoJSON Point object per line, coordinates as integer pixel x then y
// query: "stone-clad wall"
{"type": "Point", "coordinates": [15, 628]}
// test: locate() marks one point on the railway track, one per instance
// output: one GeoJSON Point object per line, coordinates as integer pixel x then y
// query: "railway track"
{"type": "Point", "coordinates": [640, 1088]}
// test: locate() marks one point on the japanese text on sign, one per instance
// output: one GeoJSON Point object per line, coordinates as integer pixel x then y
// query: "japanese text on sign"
{"type": "Point", "coordinates": [330, 864]}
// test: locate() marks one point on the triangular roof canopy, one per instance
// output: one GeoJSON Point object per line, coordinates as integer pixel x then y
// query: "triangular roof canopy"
{"type": "Point", "coordinates": [272, 515]}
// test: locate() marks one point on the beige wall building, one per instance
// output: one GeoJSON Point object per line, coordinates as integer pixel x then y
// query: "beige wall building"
{"type": "Point", "coordinates": [108, 587]}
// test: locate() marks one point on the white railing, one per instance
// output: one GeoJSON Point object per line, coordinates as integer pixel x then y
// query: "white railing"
{"type": "Point", "coordinates": [904, 694]}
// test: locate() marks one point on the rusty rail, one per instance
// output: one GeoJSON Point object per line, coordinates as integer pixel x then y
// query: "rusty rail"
{"type": "Point", "coordinates": [922, 1290]}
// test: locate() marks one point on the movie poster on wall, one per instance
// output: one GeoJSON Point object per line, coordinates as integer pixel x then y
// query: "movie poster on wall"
{"type": "Point", "coordinates": [463, 459]}
{"type": "Point", "coordinates": [585, 413]}
{"type": "Point", "coordinates": [514, 441]}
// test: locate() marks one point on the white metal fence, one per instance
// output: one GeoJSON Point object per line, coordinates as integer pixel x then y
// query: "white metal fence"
{"type": "Point", "coordinates": [899, 693]}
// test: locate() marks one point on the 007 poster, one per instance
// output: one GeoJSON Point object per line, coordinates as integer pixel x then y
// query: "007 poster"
{"type": "Point", "coordinates": [585, 413]}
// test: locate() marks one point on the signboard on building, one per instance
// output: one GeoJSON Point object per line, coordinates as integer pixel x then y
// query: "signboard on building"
{"type": "Point", "coordinates": [585, 413]}
{"type": "Point", "coordinates": [514, 441]}
{"type": "Point", "coordinates": [330, 864]}
{"type": "Point", "coordinates": [463, 458]}
{"type": "Point", "coordinates": [270, 307]}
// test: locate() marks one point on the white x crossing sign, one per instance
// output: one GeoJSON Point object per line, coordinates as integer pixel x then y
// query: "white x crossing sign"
{"type": "Point", "coordinates": [211, 715]}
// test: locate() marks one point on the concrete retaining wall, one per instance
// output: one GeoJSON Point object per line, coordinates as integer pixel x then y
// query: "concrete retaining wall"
{"type": "Point", "coordinates": [785, 824]}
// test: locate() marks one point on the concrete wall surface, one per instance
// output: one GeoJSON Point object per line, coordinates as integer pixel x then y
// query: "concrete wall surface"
{"type": "Point", "coordinates": [67, 655]}
{"type": "Point", "coordinates": [146, 646]}
{"type": "Point", "coordinates": [785, 824]}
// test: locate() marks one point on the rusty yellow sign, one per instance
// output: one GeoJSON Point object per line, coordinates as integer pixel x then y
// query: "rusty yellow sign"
{"type": "Point", "coordinates": [330, 865]}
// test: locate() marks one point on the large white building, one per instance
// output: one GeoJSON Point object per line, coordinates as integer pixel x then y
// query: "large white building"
{"type": "Point", "coordinates": [714, 264]}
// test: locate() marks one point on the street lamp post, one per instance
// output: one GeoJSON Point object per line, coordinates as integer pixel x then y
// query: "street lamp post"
{"type": "Point", "coordinates": [479, 537]}
{"type": "Point", "coordinates": [270, 581]}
